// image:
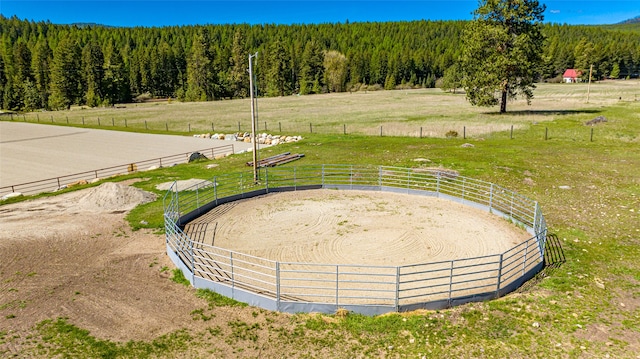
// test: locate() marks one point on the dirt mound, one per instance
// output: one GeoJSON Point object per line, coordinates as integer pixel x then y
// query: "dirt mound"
{"type": "Point", "coordinates": [77, 211]}
{"type": "Point", "coordinates": [111, 196]}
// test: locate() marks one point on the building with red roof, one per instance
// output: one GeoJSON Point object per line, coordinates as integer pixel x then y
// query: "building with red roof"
{"type": "Point", "coordinates": [571, 76]}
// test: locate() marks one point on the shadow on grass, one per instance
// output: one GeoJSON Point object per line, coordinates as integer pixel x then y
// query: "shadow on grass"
{"type": "Point", "coordinates": [553, 259]}
{"type": "Point", "coordinates": [544, 112]}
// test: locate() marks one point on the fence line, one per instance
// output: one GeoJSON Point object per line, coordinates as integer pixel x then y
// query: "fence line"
{"type": "Point", "coordinates": [55, 183]}
{"type": "Point", "coordinates": [438, 130]}
{"type": "Point", "coordinates": [295, 287]}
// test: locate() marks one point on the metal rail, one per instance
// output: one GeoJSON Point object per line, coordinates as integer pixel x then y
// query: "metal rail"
{"type": "Point", "coordinates": [296, 287]}
{"type": "Point", "coordinates": [56, 183]}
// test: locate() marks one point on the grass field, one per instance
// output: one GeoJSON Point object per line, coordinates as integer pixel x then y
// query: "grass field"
{"type": "Point", "coordinates": [396, 113]}
{"type": "Point", "coordinates": [587, 308]}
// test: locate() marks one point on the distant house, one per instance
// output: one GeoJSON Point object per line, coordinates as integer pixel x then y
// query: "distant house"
{"type": "Point", "coordinates": [571, 76]}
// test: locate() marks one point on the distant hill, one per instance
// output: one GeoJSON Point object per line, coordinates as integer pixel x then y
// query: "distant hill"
{"type": "Point", "coordinates": [634, 20]}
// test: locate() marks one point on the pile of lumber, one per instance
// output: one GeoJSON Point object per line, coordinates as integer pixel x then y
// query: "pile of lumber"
{"type": "Point", "coordinates": [277, 159]}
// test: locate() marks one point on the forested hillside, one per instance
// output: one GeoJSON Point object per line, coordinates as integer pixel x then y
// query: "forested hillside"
{"type": "Point", "coordinates": [43, 65]}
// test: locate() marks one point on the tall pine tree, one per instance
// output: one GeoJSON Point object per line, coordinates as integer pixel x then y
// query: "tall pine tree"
{"type": "Point", "coordinates": [92, 73]}
{"type": "Point", "coordinates": [279, 70]}
{"type": "Point", "coordinates": [41, 66]}
{"type": "Point", "coordinates": [65, 74]}
{"type": "Point", "coordinates": [312, 69]}
{"type": "Point", "coordinates": [199, 69]}
{"type": "Point", "coordinates": [238, 75]}
{"type": "Point", "coordinates": [502, 51]}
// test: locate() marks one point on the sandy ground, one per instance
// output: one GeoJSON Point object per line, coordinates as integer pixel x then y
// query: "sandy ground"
{"type": "Point", "coordinates": [32, 152]}
{"type": "Point", "coordinates": [359, 227]}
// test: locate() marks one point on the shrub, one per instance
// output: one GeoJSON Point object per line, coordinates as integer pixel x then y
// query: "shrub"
{"type": "Point", "coordinates": [452, 134]}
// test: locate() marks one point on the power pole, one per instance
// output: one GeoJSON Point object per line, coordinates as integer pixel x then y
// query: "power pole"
{"type": "Point", "coordinates": [254, 136]}
{"type": "Point", "coordinates": [589, 85]}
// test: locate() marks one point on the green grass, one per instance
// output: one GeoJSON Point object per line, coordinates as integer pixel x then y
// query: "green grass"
{"type": "Point", "coordinates": [63, 339]}
{"type": "Point", "coordinates": [565, 315]}
{"type": "Point", "coordinates": [216, 300]}
{"type": "Point", "coordinates": [178, 277]}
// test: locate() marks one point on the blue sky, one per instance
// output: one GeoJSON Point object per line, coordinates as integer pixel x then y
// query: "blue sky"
{"type": "Point", "coordinates": [172, 12]}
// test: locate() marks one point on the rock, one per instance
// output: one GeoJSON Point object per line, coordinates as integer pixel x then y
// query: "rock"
{"type": "Point", "coordinates": [196, 156]}
{"type": "Point", "coordinates": [564, 187]}
{"type": "Point", "coordinates": [247, 140]}
{"type": "Point", "coordinates": [599, 283]}
{"type": "Point", "coordinates": [536, 325]}
{"type": "Point", "coordinates": [467, 145]}
{"type": "Point", "coordinates": [11, 195]}
{"type": "Point", "coordinates": [77, 183]}
{"type": "Point", "coordinates": [597, 120]}
{"type": "Point", "coordinates": [95, 180]}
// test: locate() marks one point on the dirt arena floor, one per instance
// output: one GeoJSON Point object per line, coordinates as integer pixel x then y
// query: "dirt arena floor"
{"type": "Point", "coordinates": [32, 152]}
{"type": "Point", "coordinates": [358, 227]}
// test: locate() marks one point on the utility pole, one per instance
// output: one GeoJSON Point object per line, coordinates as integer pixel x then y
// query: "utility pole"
{"type": "Point", "coordinates": [254, 137]}
{"type": "Point", "coordinates": [589, 85]}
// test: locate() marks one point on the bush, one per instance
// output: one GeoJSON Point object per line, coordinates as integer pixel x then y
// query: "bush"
{"type": "Point", "coordinates": [452, 134]}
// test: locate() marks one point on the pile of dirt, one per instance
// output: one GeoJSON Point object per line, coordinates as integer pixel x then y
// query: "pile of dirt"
{"type": "Point", "coordinates": [80, 211]}
{"type": "Point", "coordinates": [111, 196]}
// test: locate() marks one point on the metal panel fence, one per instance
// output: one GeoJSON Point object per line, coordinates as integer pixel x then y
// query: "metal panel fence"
{"type": "Point", "coordinates": [298, 287]}
{"type": "Point", "coordinates": [53, 184]}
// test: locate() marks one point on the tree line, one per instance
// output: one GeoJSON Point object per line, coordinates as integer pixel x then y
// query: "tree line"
{"type": "Point", "coordinates": [48, 66]}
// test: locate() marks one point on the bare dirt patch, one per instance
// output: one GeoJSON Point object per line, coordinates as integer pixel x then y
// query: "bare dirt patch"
{"type": "Point", "coordinates": [74, 256]}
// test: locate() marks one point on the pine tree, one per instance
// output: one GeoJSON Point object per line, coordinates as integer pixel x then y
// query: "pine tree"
{"type": "Point", "coordinates": [238, 63]}
{"type": "Point", "coordinates": [92, 73]}
{"type": "Point", "coordinates": [278, 83]}
{"type": "Point", "coordinates": [40, 66]}
{"type": "Point", "coordinates": [311, 68]}
{"type": "Point", "coordinates": [615, 71]}
{"type": "Point", "coordinates": [116, 81]}
{"type": "Point", "coordinates": [502, 51]}
{"type": "Point", "coordinates": [199, 66]}
{"type": "Point", "coordinates": [65, 74]}
{"type": "Point", "coordinates": [452, 78]}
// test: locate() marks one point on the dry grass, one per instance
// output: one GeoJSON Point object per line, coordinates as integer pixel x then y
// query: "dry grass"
{"type": "Point", "coordinates": [397, 113]}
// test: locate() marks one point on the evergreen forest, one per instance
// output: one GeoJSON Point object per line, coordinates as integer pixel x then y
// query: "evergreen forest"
{"type": "Point", "coordinates": [49, 66]}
